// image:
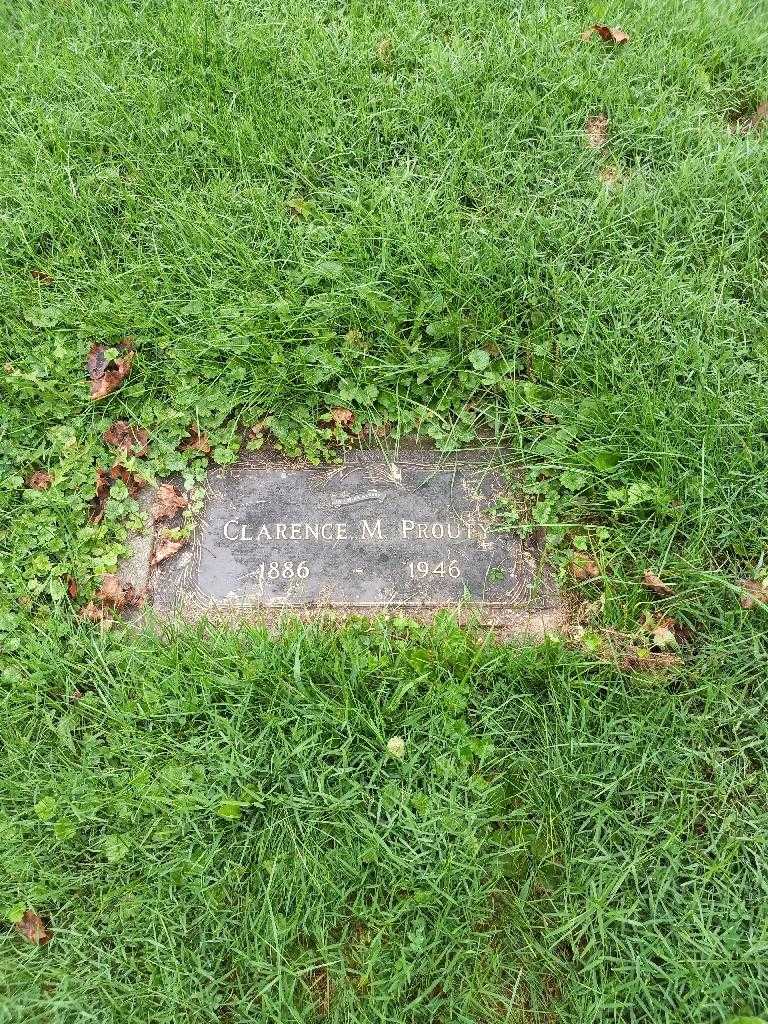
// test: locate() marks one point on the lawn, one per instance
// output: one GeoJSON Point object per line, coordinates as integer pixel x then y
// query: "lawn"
{"type": "Point", "coordinates": [454, 222]}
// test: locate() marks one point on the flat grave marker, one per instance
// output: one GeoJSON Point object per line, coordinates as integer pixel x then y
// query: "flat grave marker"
{"type": "Point", "coordinates": [408, 534]}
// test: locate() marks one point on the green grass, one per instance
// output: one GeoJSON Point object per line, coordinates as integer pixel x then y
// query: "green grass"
{"type": "Point", "coordinates": [289, 216]}
{"type": "Point", "coordinates": [548, 815]}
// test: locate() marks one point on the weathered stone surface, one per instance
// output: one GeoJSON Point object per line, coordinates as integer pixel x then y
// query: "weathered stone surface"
{"type": "Point", "coordinates": [408, 535]}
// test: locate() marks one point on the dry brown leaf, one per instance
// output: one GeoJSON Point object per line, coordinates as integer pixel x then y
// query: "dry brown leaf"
{"type": "Point", "coordinates": [596, 131]}
{"type": "Point", "coordinates": [103, 484]}
{"type": "Point", "coordinates": [584, 568]}
{"type": "Point", "coordinates": [112, 591]}
{"type": "Point", "coordinates": [641, 661]}
{"type": "Point", "coordinates": [663, 634]}
{"type": "Point", "coordinates": [753, 593]}
{"type": "Point", "coordinates": [41, 277]}
{"type": "Point", "coordinates": [746, 122]}
{"type": "Point", "coordinates": [104, 481]}
{"type": "Point", "coordinates": [168, 502]}
{"type": "Point", "coordinates": [656, 585]}
{"type": "Point", "coordinates": [92, 612]}
{"type": "Point", "coordinates": [72, 588]}
{"type": "Point", "coordinates": [32, 929]}
{"type": "Point", "coordinates": [165, 548]}
{"type": "Point", "coordinates": [341, 417]}
{"type": "Point", "coordinates": [129, 439]}
{"type": "Point", "coordinates": [196, 442]}
{"type": "Point", "coordinates": [607, 33]}
{"type": "Point", "coordinates": [105, 375]}
{"type": "Point", "coordinates": [132, 481]}
{"type": "Point", "coordinates": [39, 480]}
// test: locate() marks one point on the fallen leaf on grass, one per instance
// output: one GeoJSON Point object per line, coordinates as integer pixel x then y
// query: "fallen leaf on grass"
{"type": "Point", "coordinates": [39, 480]}
{"type": "Point", "coordinates": [168, 502]}
{"type": "Point", "coordinates": [664, 632]}
{"type": "Point", "coordinates": [106, 374]}
{"type": "Point", "coordinates": [129, 439]}
{"type": "Point", "coordinates": [649, 661]}
{"type": "Point", "coordinates": [41, 277]}
{"type": "Point", "coordinates": [753, 593]}
{"type": "Point", "coordinates": [104, 481]}
{"type": "Point", "coordinates": [584, 568]}
{"type": "Point", "coordinates": [607, 33]}
{"type": "Point", "coordinates": [165, 548]}
{"type": "Point", "coordinates": [132, 481]}
{"type": "Point", "coordinates": [656, 585]}
{"type": "Point", "coordinates": [196, 442]}
{"type": "Point", "coordinates": [116, 594]}
{"type": "Point", "coordinates": [72, 588]}
{"type": "Point", "coordinates": [746, 122]}
{"type": "Point", "coordinates": [103, 484]}
{"type": "Point", "coordinates": [32, 928]}
{"type": "Point", "coordinates": [92, 612]}
{"type": "Point", "coordinates": [596, 131]}
{"type": "Point", "coordinates": [341, 417]}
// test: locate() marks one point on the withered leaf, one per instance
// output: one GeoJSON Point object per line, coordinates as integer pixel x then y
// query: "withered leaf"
{"type": "Point", "coordinates": [656, 585]}
{"type": "Point", "coordinates": [41, 277]}
{"type": "Point", "coordinates": [32, 929]}
{"type": "Point", "coordinates": [596, 131]}
{"type": "Point", "coordinates": [92, 612]}
{"type": "Point", "coordinates": [746, 122]}
{"type": "Point", "coordinates": [196, 442]}
{"type": "Point", "coordinates": [104, 481]}
{"type": "Point", "coordinates": [72, 588]}
{"type": "Point", "coordinates": [341, 417]}
{"type": "Point", "coordinates": [129, 439]}
{"type": "Point", "coordinates": [107, 375]}
{"type": "Point", "coordinates": [103, 484]}
{"type": "Point", "coordinates": [165, 548]}
{"type": "Point", "coordinates": [584, 568]}
{"type": "Point", "coordinates": [132, 481]}
{"type": "Point", "coordinates": [664, 633]}
{"type": "Point", "coordinates": [649, 661]}
{"type": "Point", "coordinates": [112, 591]}
{"type": "Point", "coordinates": [752, 593]}
{"type": "Point", "coordinates": [607, 33]}
{"type": "Point", "coordinates": [168, 502]}
{"type": "Point", "coordinates": [39, 480]}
